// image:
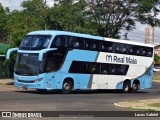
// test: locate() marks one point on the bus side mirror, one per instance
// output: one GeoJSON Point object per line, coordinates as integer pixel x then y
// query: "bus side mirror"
{"type": "Point", "coordinates": [9, 52]}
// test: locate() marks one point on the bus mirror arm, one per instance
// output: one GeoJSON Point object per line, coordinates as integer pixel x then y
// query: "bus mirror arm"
{"type": "Point", "coordinates": [9, 52]}
{"type": "Point", "coordinates": [44, 51]}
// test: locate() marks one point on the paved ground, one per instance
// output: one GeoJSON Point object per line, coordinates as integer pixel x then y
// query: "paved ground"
{"type": "Point", "coordinates": [141, 104]}
{"type": "Point", "coordinates": [7, 85]}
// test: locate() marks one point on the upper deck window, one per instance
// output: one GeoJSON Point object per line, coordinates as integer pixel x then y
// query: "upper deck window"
{"type": "Point", "coordinates": [35, 42]}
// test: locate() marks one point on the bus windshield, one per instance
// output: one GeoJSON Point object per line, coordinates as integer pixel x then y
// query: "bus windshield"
{"type": "Point", "coordinates": [28, 64]}
{"type": "Point", "coordinates": [35, 42]}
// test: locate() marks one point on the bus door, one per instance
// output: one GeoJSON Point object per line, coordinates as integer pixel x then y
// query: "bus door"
{"type": "Point", "coordinates": [53, 62]}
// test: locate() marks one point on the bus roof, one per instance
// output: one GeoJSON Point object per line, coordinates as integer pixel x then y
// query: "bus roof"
{"type": "Point", "coordinates": [56, 32]}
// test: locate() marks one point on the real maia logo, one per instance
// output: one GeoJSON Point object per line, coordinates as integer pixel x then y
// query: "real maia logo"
{"type": "Point", "coordinates": [116, 59]}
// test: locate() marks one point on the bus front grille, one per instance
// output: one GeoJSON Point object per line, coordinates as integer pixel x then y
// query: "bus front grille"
{"type": "Point", "coordinates": [24, 81]}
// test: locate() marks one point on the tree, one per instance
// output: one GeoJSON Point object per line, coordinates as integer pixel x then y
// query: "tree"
{"type": "Point", "coordinates": [157, 59]}
{"type": "Point", "coordinates": [114, 15]}
{"type": "Point", "coordinates": [69, 15]}
{"type": "Point", "coordinates": [33, 17]}
{"type": "Point", "coordinates": [38, 10]}
{"type": "Point", "coordinates": [3, 23]}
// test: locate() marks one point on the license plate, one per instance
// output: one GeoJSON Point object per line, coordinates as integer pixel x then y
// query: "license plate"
{"type": "Point", "coordinates": [24, 85]}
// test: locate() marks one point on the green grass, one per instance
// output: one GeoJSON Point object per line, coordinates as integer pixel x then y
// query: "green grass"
{"type": "Point", "coordinates": [156, 77]}
{"type": "Point", "coordinates": [141, 109]}
{"type": "Point", "coordinates": [155, 104]}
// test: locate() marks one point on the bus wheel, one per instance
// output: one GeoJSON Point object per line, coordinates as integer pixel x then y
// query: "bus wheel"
{"type": "Point", "coordinates": [126, 87]}
{"type": "Point", "coordinates": [134, 87]}
{"type": "Point", "coordinates": [67, 87]}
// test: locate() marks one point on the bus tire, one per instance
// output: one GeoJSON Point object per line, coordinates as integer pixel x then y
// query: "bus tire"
{"type": "Point", "coordinates": [135, 87]}
{"type": "Point", "coordinates": [126, 87]}
{"type": "Point", "coordinates": [67, 87]}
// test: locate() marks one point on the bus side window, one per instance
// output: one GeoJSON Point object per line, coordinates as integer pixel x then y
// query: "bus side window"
{"type": "Point", "coordinates": [87, 44]}
{"type": "Point", "coordinates": [117, 50]}
{"type": "Point", "coordinates": [144, 51]}
{"type": "Point", "coordinates": [60, 41]}
{"type": "Point", "coordinates": [111, 69]}
{"type": "Point", "coordinates": [57, 42]}
{"type": "Point", "coordinates": [81, 43]}
{"type": "Point", "coordinates": [75, 67]}
{"type": "Point", "coordinates": [149, 52]}
{"type": "Point", "coordinates": [124, 50]}
{"type": "Point", "coordinates": [131, 49]}
{"type": "Point", "coordinates": [137, 52]}
{"type": "Point", "coordinates": [96, 45]}
{"type": "Point", "coordinates": [120, 70]}
{"type": "Point", "coordinates": [92, 45]}
{"type": "Point", "coordinates": [92, 68]}
{"type": "Point", "coordinates": [107, 47]}
{"type": "Point", "coordinates": [75, 42]}
{"type": "Point", "coordinates": [104, 68]}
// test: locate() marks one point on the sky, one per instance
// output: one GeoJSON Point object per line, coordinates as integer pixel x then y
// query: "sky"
{"type": "Point", "coordinates": [16, 4]}
{"type": "Point", "coordinates": [135, 35]}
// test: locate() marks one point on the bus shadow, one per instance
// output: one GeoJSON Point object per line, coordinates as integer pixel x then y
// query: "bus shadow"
{"type": "Point", "coordinates": [79, 92]}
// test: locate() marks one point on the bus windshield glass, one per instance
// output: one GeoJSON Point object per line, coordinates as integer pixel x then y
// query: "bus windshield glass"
{"type": "Point", "coordinates": [28, 64]}
{"type": "Point", "coordinates": [35, 42]}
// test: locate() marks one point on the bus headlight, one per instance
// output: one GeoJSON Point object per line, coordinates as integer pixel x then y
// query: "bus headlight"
{"type": "Point", "coordinates": [38, 80]}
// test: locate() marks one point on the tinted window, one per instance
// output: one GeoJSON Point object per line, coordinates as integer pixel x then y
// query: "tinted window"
{"type": "Point", "coordinates": [98, 68]}
{"type": "Point", "coordinates": [92, 45]}
{"type": "Point", "coordinates": [103, 46]}
{"type": "Point", "coordinates": [75, 42]}
{"type": "Point", "coordinates": [107, 46]}
{"type": "Point", "coordinates": [121, 69]}
{"type": "Point", "coordinates": [35, 42]}
{"type": "Point", "coordinates": [121, 48]}
{"type": "Point", "coordinates": [78, 67]}
{"type": "Point", "coordinates": [54, 60]}
{"type": "Point", "coordinates": [60, 41]}
{"type": "Point", "coordinates": [149, 52]}
{"type": "Point", "coordinates": [92, 68]}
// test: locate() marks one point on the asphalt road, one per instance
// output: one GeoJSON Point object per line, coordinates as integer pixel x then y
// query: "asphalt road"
{"type": "Point", "coordinates": [77, 101]}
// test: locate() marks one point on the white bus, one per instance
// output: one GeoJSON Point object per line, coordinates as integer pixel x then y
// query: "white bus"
{"type": "Point", "coordinates": [49, 60]}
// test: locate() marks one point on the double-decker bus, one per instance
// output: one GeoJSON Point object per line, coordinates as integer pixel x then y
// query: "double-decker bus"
{"type": "Point", "coordinates": [51, 60]}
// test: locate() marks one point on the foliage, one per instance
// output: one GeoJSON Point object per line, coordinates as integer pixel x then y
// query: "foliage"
{"type": "Point", "coordinates": [70, 16]}
{"type": "Point", "coordinates": [155, 104]}
{"type": "Point", "coordinates": [156, 77]}
{"type": "Point", "coordinates": [98, 17]}
{"type": "Point", "coordinates": [31, 18]}
{"type": "Point", "coordinates": [3, 23]}
{"type": "Point", "coordinates": [114, 15]}
{"type": "Point", "coordinates": [156, 59]}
